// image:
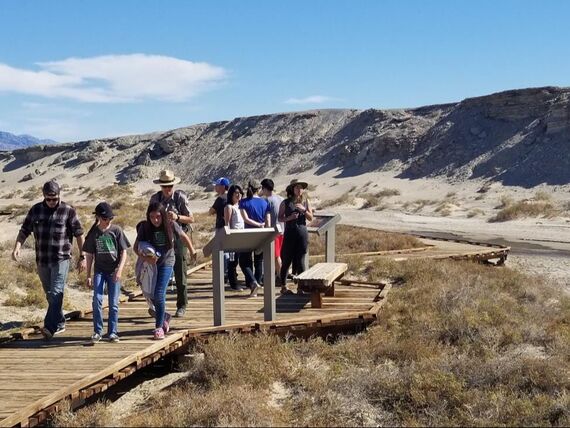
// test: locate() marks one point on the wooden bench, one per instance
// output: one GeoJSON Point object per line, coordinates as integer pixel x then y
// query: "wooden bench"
{"type": "Point", "coordinates": [319, 279]}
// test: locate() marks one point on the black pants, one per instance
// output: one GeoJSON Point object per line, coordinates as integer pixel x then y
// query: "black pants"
{"type": "Point", "coordinates": [232, 270]}
{"type": "Point", "coordinates": [252, 267]}
{"type": "Point", "coordinates": [180, 266]}
{"type": "Point", "coordinates": [295, 244]}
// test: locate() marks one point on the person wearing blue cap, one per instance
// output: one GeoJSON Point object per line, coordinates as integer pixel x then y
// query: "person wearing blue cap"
{"type": "Point", "coordinates": [221, 186]}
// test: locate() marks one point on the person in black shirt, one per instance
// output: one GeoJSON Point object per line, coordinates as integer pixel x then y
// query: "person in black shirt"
{"type": "Point", "coordinates": [295, 212]}
{"type": "Point", "coordinates": [221, 186]}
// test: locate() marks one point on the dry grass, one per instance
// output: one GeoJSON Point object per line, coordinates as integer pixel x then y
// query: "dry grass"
{"type": "Point", "coordinates": [458, 344]}
{"type": "Point", "coordinates": [345, 199]}
{"type": "Point", "coordinates": [351, 239]}
{"type": "Point", "coordinates": [418, 204]}
{"type": "Point", "coordinates": [475, 212]}
{"type": "Point", "coordinates": [527, 208]}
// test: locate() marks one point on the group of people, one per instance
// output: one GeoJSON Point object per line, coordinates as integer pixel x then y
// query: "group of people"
{"type": "Point", "coordinates": [163, 245]}
{"type": "Point", "coordinates": [259, 206]}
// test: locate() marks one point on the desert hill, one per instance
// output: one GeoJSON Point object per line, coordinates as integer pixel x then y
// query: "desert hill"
{"type": "Point", "coordinates": [518, 137]}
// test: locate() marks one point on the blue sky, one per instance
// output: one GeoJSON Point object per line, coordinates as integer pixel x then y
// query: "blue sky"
{"type": "Point", "coordinates": [72, 70]}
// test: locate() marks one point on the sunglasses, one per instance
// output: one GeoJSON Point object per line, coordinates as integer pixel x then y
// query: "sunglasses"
{"type": "Point", "coordinates": [50, 199]}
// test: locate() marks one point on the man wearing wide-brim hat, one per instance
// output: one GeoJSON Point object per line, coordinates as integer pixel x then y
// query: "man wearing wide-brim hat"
{"type": "Point", "coordinates": [176, 204]}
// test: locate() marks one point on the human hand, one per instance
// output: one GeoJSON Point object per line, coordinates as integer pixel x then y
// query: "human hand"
{"type": "Point", "coordinates": [16, 254]}
{"type": "Point", "coordinates": [172, 216]}
{"type": "Point", "coordinates": [89, 282]}
{"type": "Point", "coordinates": [81, 265]}
{"type": "Point", "coordinates": [294, 216]}
{"type": "Point", "coordinates": [150, 259]}
{"type": "Point", "coordinates": [117, 275]}
{"type": "Point", "coordinates": [300, 208]}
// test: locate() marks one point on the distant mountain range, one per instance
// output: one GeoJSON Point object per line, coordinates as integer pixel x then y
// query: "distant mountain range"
{"type": "Point", "coordinates": [11, 142]}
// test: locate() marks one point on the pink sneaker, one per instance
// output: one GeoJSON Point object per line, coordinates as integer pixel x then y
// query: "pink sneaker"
{"type": "Point", "coordinates": [166, 323]}
{"type": "Point", "coordinates": [158, 334]}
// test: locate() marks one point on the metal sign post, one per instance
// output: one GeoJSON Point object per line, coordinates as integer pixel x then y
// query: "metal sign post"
{"type": "Point", "coordinates": [242, 240]}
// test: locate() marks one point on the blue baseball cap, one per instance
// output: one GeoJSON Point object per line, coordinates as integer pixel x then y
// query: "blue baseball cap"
{"type": "Point", "coordinates": [222, 181]}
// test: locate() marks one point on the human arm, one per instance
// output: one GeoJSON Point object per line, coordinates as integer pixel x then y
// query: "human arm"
{"type": "Point", "coordinates": [25, 231]}
{"type": "Point", "coordinates": [81, 265]}
{"type": "Point", "coordinates": [119, 271]}
{"type": "Point", "coordinates": [227, 214]}
{"type": "Point", "coordinates": [282, 217]}
{"type": "Point", "coordinates": [267, 219]}
{"type": "Point", "coordinates": [249, 221]}
{"type": "Point", "coordinates": [306, 209]}
{"type": "Point", "coordinates": [88, 264]}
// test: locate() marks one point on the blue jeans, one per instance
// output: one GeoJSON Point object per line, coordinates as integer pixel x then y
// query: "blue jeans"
{"type": "Point", "coordinates": [113, 290]}
{"type": "Point", "coordinates": [249, 265]}
{"type": "Point", "coordinates": [53, 279]}
{"type": "Point", "coordinates": [163, 275]}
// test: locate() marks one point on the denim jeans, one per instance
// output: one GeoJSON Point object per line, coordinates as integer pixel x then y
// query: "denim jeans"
{"type": "Point", "coordinates": [53, 279]}
{"type": "Point", "coordinates": [249, 265]}
{"type": "Point", "coordinates": [163, 275]}
{"type": "Point", "coordinates": [113, 290]}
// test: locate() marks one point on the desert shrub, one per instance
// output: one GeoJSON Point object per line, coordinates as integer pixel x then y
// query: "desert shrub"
{"type": "Point", "coordinates": [112, 193]}
{"type": "Point", "coordinates": [457, 344]}
{"type": "Point", "coordinates": [386, 192]}
{"type": "Point", "coordinates": [542, 195]}
{"type": "Point", "coordinates": [418, 204]}
{"type": "Point", "coordinates": [33, 192]}
{"type": "Point", "coordinates": [351, 239]}
{"type": "Point", "coordinates": [475, 212]}
{"type": "Point", "coordinates": [522, 209]}
{"type": "Point", "coordinates": [344, 199]}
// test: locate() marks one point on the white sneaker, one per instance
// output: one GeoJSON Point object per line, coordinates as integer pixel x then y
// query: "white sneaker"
{"type": "Point", "coordinates": [96, 337]}
{"type": "Point", "coordinates": [59, 330]}
{"type": "Point", "coordinates": [114, 338]}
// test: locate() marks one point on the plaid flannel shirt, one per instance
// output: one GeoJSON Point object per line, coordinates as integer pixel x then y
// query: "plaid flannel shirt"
{"type": "Point", "coordinates": [53, 231]}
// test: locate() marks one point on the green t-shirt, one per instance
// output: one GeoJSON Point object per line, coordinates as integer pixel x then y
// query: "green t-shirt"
{"type": "Point", "coordinates": [107, 247]}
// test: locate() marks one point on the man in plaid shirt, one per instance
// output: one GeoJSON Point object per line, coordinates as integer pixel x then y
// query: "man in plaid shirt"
{"type": "Point", "coordinates": [54, 224]}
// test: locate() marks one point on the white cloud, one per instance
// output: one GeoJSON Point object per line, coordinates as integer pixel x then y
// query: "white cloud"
{"type": "Point", "coordinates": [313, 99]}
{"type": "Point", "coordinates": [114, 78]}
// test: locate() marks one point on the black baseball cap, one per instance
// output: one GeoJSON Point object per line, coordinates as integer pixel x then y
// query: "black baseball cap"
{"type": "Point", "coordinates": [51, 188]}
{"type": "Point", "coordinates": [103, 209]}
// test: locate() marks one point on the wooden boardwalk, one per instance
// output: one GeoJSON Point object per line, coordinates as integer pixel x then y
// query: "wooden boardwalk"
{"type": "Point", "coordinates": [35, 375]}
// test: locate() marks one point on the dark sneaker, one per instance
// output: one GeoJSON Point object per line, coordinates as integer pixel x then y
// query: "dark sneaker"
{"type": "Point", "coordinates": [254, 289]}
{"type": "Point", "coordinates": [46, 333]}
{"type": "Point", "coordinates": [180, 312]}
{"type": "Point", "coordinates": [59, 330]}
{"type": "Point", "coordinates": [114, 338]}
{"type": "Point", "coordinates": [95, 337]}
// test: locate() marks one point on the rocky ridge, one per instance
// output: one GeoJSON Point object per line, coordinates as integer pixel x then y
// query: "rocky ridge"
{"type": "Point", "coordinates": [519, 137]}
